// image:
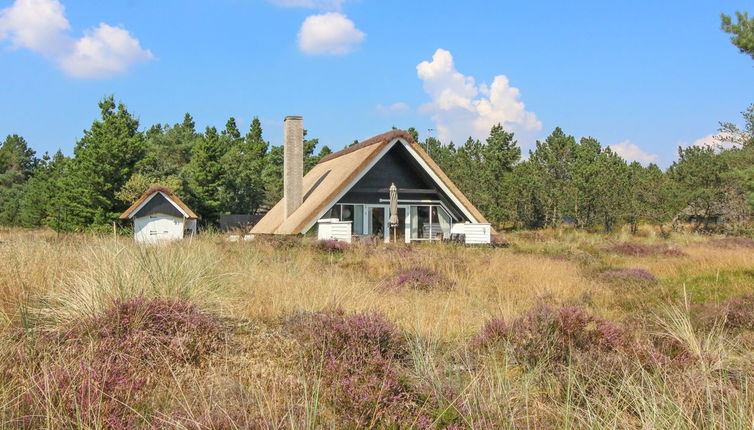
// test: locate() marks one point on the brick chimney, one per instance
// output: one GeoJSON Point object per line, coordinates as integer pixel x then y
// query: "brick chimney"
{"type": "Point", "coordinates": [293, 163]}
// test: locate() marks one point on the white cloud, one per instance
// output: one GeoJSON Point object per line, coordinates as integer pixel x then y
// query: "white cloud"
{"type": "Point", "coordinates": [461, 108]}
{"type": "Point", "coordinates": [329, 34]}
{"type": "Point", "coordinates": [311, 4]}
{"type": "Point", "coordinates": [393, 108]}
{"type": "Point", "coordinates": [717, 140]}
{"type": "Point", "coordinates": [41, 26]}
{"type": "Point", "coordinates": [631, 152]}
{"type": "Point", "coordinates": [104, 51]}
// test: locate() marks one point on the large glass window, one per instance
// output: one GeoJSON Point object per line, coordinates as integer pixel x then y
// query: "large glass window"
{"type": "Point", "coordinates": [428, 222]}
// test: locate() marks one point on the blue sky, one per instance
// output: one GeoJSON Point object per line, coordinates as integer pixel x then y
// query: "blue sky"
{"type": "Point", "coordinates": [642, 76]}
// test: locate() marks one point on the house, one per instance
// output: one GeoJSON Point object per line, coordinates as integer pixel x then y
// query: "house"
{"type": "Point", "coordinates": [159, 215]}
{"type": "Point", "coordinates": [347, 194]}
{"type": "Point", "coordinates": [729, 207]}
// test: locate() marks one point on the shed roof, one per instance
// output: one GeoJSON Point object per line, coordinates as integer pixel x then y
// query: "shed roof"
{"type": "Point", "coordinates": [168, 193]}
{"type": "Point", "coordinates": [336, 173]}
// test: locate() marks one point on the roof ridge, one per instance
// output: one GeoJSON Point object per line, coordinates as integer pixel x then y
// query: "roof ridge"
{"type": "Point", "coordinates": [390, 135]}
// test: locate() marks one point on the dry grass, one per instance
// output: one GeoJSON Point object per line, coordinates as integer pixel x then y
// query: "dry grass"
{"type": "Point", "coordinates": [49, 283]}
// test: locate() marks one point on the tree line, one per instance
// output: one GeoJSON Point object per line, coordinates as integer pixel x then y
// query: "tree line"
{"type": "Point", "coordinates": [215, 172]}
{"type": "Point", "coordinates": [563, 180]}
{"type": "Point", "coordinates": [580, 182]}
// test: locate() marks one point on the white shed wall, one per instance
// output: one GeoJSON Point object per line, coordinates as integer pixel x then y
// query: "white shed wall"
{"type": "Point", "coordinates": [157, 228]}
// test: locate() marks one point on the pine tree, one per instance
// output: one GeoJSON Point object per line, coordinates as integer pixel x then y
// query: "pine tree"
{"type": "Point", "coordinates": [700, 182]}
{"type": "Point", "coordinates": [244, 164]}
{"type": "Point", "coordinates": [584, 177]}
{"type": "Point", "coordinates": [17, 164]}
{"type": "Point", "coordinates": [553, 159]}
{"type": "Point", "coordinates": [104, 160]}
{"type": "Point", "coordinates": [742, 32]}
{"type": "Point", "coordinates": [500, 154]}
{"type": "Point", "coordinates": [37, 206]}
{"type": "Point", "coordinates": [610, 187]}
{"type": "Point", "coordinates": [204, 175]}
{"type": "Point", "coordinates": [15, 154]}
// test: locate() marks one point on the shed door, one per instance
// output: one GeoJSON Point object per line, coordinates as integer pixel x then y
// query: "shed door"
{"type": "Point", "coordinates": [160, 227]}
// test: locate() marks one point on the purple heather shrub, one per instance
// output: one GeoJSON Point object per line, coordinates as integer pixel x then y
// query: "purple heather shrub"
{"type": "Point", "coordinates": [90, 392]}
{"type": "Point", "coordinates": [732, 242]}
{"type": "Point", "coordinates": [643, 250]}
{"type": "Point", "coordinates": [493, 333]}
{"type": "Point", "coordinates": [361, 361]}
{"type": "Point", "coordinates": [417, 278]}
{"type": "Point", "coordinates": [110, 359]}
{"type": "Point", "coordinates": [630, 275]}
{"type": "Point", "coordinates": [331, 246]}
{"type": "Point", "coordinates": [141, 328]}
{"type": "Point", "coordinates": [736, 313]}
{"type": "Point", "coordinates": [544, 332]}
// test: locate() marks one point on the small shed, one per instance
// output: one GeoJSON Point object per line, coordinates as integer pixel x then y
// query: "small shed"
{"type": "Point", "coordinates": [159, 215]}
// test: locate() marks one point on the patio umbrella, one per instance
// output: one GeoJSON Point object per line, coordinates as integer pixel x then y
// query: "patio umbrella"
{"type": "Point", "coordinates": [394, 208]}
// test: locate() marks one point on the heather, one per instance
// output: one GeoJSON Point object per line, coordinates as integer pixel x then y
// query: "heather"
{"type": "Point", "coordinates": [643, 250]}
{"type": "Point", "coordinates": [732, 242]}
{"type": "Point", "coordinates": [331, 246]}
{"type": "Point", "coordinates": [106, 364]}
{"type": "Point", "coordinates": [274, 333]}
{"type": "Point", "coordinates": [548, 336]}
{"type": "Point", "coordinates": [417, 278]}
{"type": "Point", "coordinates": [734, 313]}
{"type": "Point", "coordinates": [360, 359]}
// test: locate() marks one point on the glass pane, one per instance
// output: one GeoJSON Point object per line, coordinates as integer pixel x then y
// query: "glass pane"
{"type": "Point", "coordinates": [434, 226]}
{"type": "Point", "coordinates": [414, 222]}
{"type": "Point", "coordinates": [358, 219]}
{"type": "Point", "coordinates": [347, 213]}
{"type": "Point", "coordinates": [421, 220]}
{"type": "Point", "coordinates": [377, 222]}
{"type": "Point", "coordinates": [334, 212]}
{"type": "Point", "coordinates": [445, 221]}
{"type": "Point", "coordinates": [398, 233]}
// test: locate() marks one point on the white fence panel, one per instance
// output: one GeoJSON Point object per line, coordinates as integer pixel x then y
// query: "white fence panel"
{"type": "Point", "coordinates": [477, 233]}
{"type": "Point", "coordinates": [333, 229]}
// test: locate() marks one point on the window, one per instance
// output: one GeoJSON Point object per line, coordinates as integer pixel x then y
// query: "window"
{"type": "Point", "coordinates": [355, 214]}
{"type": "Point", "coordinates": [334, 212]}
{"type": "Point", "coordinates": [427, 222]}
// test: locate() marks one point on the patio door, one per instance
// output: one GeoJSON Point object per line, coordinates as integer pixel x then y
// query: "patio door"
{"type": "Point", "coordinates": [377, 221]}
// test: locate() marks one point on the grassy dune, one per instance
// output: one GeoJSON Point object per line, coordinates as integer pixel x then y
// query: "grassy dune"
{"type": "Point", "coordinates": [561, 329]}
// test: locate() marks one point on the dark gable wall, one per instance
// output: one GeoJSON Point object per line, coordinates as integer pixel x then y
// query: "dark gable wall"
{"type": "Point", "coordinates": [400, 167]}
{"type": "Point", "coordinates": [158, 205]}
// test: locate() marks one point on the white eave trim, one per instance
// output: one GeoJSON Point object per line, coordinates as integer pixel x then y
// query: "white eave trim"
{"type": "Point", "coordinates": [144, 203]}
{"type": "Point", "coordinates": [439, 182]}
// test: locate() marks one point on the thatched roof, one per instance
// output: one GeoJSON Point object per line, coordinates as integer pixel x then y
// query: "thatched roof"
{"type": "Point", "coordinates": [168, 193]}
{"type": "Point", "coordinates": [337, 173]}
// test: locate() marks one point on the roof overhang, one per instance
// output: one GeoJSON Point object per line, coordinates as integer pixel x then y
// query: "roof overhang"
{"type": "Point", "coordinates": [149, 195]}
